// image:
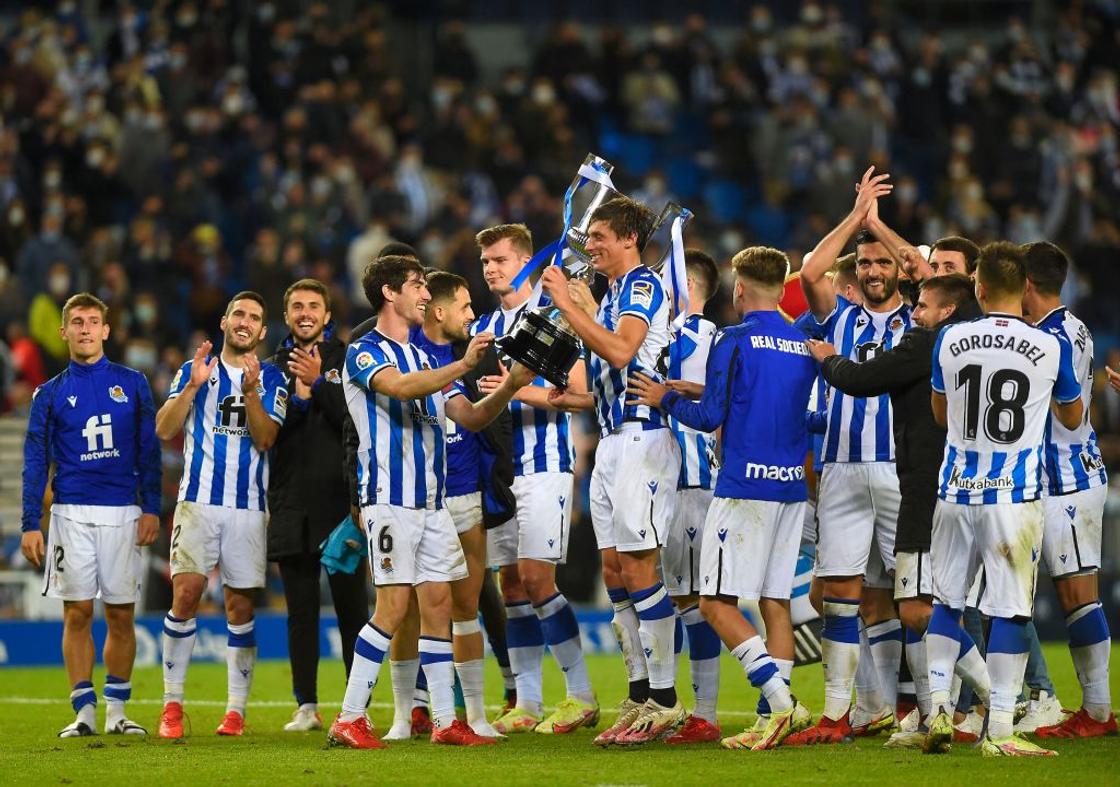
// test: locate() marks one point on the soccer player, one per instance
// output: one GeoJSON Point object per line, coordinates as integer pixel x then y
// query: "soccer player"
{"type": "Point", "coordinates": [1073, 505]}
{"type": "Point", "coordinates": [307, 492]}
{"type": "Point", "coordinates": [230, 407]}
{"type": "Point", "coordinates": [858, 497]}
{"type": "Point", "coordinates": [688, 359]}
{"type": "Point", "coordinates": [444, 337]}
{"type": "Point", "coordinates": [993, 381]}
{"type": "Point", "coordinates": [95, 422]}
{"type": "Point", "coordinates": [904, 372]}
{"type": "Point", "coordinates": [637, 462]}
{"type": "Point", "coordinates": [757, 386]}
{"type": "Point", "coordinates": [530, 546]}
{"type": "Point", "coordinates": [399, 399]}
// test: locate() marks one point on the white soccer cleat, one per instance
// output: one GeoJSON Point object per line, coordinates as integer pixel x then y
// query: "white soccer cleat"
{"type": "Point", "coordinates": [304, 720]}
{"type": "Point", "coordinates": [485, 729]}
{"type": "Point", "coordinates": [400, 731]}
{"type": "Point", "coordinates": [1043, 710]}
{"type": "Point", "coordinates": [76, 729]}
{"type": "Point", "coordinates": [124, 727]}
{"type": "Point", "coordinates": [910, 722]}
{"type": "Point", "coordinates": [906, 739]}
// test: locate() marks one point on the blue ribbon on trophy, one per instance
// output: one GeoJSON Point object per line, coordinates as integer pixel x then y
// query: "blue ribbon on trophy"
{"type": "Point", "coordinates": [592, 170]}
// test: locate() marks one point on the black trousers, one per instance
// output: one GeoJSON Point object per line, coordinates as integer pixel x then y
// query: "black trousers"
{"type": "Point", "coordinates": [300, 574]}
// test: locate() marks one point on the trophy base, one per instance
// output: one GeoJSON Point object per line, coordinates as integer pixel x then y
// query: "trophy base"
{"type": "Point", "coordinates": [544, 345]}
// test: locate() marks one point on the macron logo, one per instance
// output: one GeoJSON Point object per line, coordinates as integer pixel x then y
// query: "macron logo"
{"type": "Point", "coordinates": [775, 472]}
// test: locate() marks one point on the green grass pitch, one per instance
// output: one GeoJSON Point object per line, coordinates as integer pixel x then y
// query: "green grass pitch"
{"type": "Point", "coordinates": [33, 708]}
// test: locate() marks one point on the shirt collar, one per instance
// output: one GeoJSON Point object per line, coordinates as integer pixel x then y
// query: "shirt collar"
{"type": "Point", "coordinates": [89, 368]}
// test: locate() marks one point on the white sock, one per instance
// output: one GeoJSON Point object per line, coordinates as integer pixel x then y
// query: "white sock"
{"type": "Point", "coordinates": [840, 654]}
{"type": "Point", "coordinates": [1089, 644]}
{"type": "Point", "coordinates": [471, 679]}
{"type": "Point", "coordinates": [435, 660]}
{"type": "Point", "coordinates": [625, 626]}
{"type": "Point", "coordinates": [703, 661]}
{"type": "Point", "coordinates": [178, 643]}
{"type": "Point", "coordinates": [84, 701]}
{"type": "Point", "coordinates": [972, 669]}
{"type": "Point", "coordinates": [561, 632]}
{"type": "Point", "coordinates": [525, 641]}
{"type": "Point", "coordinates": [919, 669]}
{"type": "Point", "coordinates": [763, 673]}
{"type": "Point", "coordinates": [1007, 661]}
{"type": "Point", "coordinates": [403, 676]}
{"type": "Point", "coordinates": [369, 652]}
{"type": "Point", "coordinates": [657, 630]}
{"type": "Point", "coordinates": [869, 694]}
{"type": "Point", "coordinates": [943, 646]}
{"type": "Point", "coordinates": [117, 692]}
{"type": "Point", "coordinates": [885, 639]}
{"type": "Point", "coordinates": [241, 657]}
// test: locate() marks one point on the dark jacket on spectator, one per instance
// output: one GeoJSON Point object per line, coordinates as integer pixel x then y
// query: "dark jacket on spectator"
{"type": "Point", "coordinates": [307, 491]}
{"type": "Point", "coordinates": [919, 443]}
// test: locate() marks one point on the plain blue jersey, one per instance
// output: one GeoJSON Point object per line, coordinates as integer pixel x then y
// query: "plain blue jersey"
{"type": "Point", "coordinates": [464, 458]}
{"type": "Point", "coordinates": [757, 388]}
{"type": "Point", "coordinates": [96, 424]}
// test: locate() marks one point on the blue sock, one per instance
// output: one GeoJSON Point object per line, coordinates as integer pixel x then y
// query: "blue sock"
{"type": "Point", "coordinates": [561, 632]}
{"type": "Point", "coordinates": [83, 695]}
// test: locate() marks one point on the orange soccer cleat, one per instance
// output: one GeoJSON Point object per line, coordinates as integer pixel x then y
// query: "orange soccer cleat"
{"type": "Point", "coordinates": [1079, 725]}
{"type": "Point", "coordinates": [459, 734]}
{"type": "Point", "coordinates": [355, 734]}
{"type": "Point", "coordinates": [171, 720]}
{"type": "Point", "coordinates": [823, 732]}
{"type": "Point", "coordinates": [695, 730]}
{"type": "Point", "coordinates": [232, 724]}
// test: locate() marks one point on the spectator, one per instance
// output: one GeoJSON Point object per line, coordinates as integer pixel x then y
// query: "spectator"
{"type": "Point", "coordinates": [45, 315]}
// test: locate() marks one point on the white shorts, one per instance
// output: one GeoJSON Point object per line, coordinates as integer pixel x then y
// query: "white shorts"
{"type": "Point", "coordinates": [410, 546]}
{"type": "Point", "coordinates": [680, 557]}
{"type": "Point", "coordinates": [750, 548]}
{"type": "Point", "coordinates": [89, 560]}
{"type": "Point", "coordinates": [465, 510]}
{"type": "Point", "coordinates": [857, 507]}
{"type": "Point", "coordinates": [204, 536]}
{"type": "Point", "coordinates": [913, 575]}
{"type": "Point", "coordinates": [634, 488]}
{"type": "Point", "coordinates": [1071, 531]}
{"type": "Point", "coordinates": [542, 525]}
{"type": "Point", "coordinates": [1005, 538]}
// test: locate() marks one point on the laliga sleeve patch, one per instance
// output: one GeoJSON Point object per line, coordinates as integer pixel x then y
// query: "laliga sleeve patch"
{"type": "Point", "coordinates": [641, 294]}
{"type": "Point", "coordinates": [178, 378]}
{"type": "Point", "coordinates": [280, 402]}
{"type": "Point", "coordinates": [364, 360]}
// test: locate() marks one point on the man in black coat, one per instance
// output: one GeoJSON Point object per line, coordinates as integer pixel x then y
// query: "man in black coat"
{"type": "Point", "coordinates": [903, 372]}
{"type": "Point", "coordinates": [308, 494]}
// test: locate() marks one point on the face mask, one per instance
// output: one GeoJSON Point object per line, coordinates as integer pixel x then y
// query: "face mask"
{"type": "Point", "coordinates": [843, 166]}
{"type": "Point", "coordinates": [962, 144]}
{"type": "Point", "coordinates": [94, 158]}
{"type": "Point", "coordinates": [543, 94]}
{"type": "Point", "coordinates": [52, 179]}
{"type": "Point", "coordinates": [907, 193]}
{"type": "Point", "coordinates": [232, 104]}
{"type": "Point", "coordinates": [974, 192]}
{"type": "Point", "coordinates": [142, 358]}
{"type": "Point", "coordinates": [16, 217]}
{"type": "Point", "coordinates": [59, 284]}
{"type": "Point", "coordinates": [177, 60]}
{"type": "Point", "coordinates": [145, 313]}
{"type": "Point", "coordinates": [50, 236]}
{"type": "Point", "coordinates": [485, 105]}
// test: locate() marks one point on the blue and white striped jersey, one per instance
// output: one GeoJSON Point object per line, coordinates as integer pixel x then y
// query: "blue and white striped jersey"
{"type": "Point", "coordinates": [859, 428]}
{"type": "Point", "coordinates": [998, 375]}
{"type": "Point", "coordinates": [401, 445]}
{"type": "Point", "coordinates": [688, 360]}
{"type": "Point", "coordinates": [221, 466]}
{"type": "Point", "coordinates": [638, 293]}
{"type": "Point", "coordinates": [1073, 459]}
{"type": "Point", "coordinates": [542, 441]}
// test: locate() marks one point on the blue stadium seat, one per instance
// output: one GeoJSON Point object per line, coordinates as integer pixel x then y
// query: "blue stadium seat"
{"type": "Point", "coordinates": [685, 177]}
{"type": "Point", "coordinates": [724, 198]}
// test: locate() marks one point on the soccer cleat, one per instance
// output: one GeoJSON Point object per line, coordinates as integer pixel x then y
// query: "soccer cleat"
{"type": "Point", "coordinates": [484, 729]}
{"type": "Point", "coordinates": [570, 714]}
{"type": "Point", "coordinates": [125, 727]}
{"type": "Point", "coordinates": [825, 731]}
{"type": "Point", "coordinates": [864, 726]}
{"type": "Point", "coordinates": [653, 723]}
{"type": "Point", "coordinates": [304, 720]}
{"type": "Point", "coordinates": [1043, 710]}
{"type": "Point", "coordinates": [400, 731]}
{"type": "Point", "coordinates": [233, 723]}
{"type": "Point", "coordinates": [906, 739]}
{"type": "Point", "coordinates": [968, 729]}
{"type": "Point", "coordinates": [355, 734]}
{"type": "Point", "coordinates": [1079, 725]}
{"type": "Point", "coordinates": [780, 727]}
{"type": "Point", "coordinates": [696, 730]}
{"type": "Point", "coordinates": [1013, 746]}
{"type": "Point", "coordinates": [457, 733]}
{"type": "Point", "coordinates": [171, 720]}
{"type": "Point", "coordinates": [421, 722]}
{"type": "Point", "coordinates": [910, 722]}
{"type": "Point", "coordinates": [76, 729]}
{"type": "Point", "coordinates": [517, 720]}
{"type": "Point", "coordinates": [939, 739]}
{"type": "Point", "coordinates": [627, 712]}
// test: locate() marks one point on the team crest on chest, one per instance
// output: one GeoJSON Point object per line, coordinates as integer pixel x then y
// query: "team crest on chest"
{"type": "Point", "coordinates": [896, 323]}
{"type": "Point", "coordinates": [332, 376]}
{"type": "Point", "coordinates": [117, 394]}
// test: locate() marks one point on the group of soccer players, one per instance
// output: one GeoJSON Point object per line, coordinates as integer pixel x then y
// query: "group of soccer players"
{"type": "Point", "coordinates": [684, 537]}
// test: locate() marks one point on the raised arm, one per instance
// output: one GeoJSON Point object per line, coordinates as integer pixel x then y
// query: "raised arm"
{"type": "Point", "coordinates": [908, 257]}
{"type": "Point", "coordinates": [170, 418]}
{"type": "Point", "coordinates": [817, 287]}
{"type": "Point", "coordinates": [264, 421]}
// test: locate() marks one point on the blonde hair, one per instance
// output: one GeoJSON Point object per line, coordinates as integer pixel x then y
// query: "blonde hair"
{"type": "Point", "coordinates": [518, 235]}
